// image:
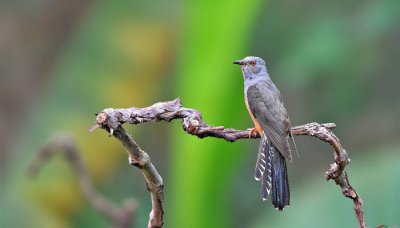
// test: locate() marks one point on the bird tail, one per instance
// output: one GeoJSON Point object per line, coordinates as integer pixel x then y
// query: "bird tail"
{"type": "Point", "coordinates": [280, 182]}
{"type": "Point", "coordinates": [271, 170]}
{"type": "Point", "coordinates": [263, 167]}
{"type": "Point", "coordinates": [263, 163]}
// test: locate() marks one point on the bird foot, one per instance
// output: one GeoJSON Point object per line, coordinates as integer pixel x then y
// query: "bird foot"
{"type": "Point", "coordinates": [253, 131]}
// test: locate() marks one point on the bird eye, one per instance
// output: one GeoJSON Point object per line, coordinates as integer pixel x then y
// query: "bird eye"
{"type": "Point", "coordinates": [253, 63]}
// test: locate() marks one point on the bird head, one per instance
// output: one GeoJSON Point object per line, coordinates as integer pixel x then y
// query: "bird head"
{"type": "Point", "coordinates": [252, 67]}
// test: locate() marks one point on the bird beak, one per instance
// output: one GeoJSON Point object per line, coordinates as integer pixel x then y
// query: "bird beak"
{"type": "Point", "coordinates": [238, 62]}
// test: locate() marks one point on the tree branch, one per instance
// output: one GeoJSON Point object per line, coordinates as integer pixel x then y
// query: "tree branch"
{"type": "Point", "coordinates": [336, 170]}
{"type": "Point", "coordinates": [111, 120]}
{"type": "Point", "coordinates": [154, 182]}
{"type": "Point", "coordinates": [119, 217]}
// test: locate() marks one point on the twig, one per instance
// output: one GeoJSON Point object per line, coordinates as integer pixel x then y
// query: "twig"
{"type": "Point", "coordinates": [111, 120]}
{"type": "Point", "coordinates": [119, 217]}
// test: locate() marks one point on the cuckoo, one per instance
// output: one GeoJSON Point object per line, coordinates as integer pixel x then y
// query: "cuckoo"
{"type": "Point", "coordinates": [265, 105]}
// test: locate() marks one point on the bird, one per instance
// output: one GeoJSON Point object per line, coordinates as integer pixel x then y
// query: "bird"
{"type": "Point", "coordinates": [266, 108]}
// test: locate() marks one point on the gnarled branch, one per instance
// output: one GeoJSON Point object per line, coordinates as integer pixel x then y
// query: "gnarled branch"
{"type": "Point", "coordinates": [112, 119]}
{"type": "Point", "coordinates": [119, 217]}
{"type": "Point", "coordinates": [154, 182]}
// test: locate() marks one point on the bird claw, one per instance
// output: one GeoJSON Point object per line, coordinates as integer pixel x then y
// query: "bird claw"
{"type": "Point", "coordinates": [252, 132]}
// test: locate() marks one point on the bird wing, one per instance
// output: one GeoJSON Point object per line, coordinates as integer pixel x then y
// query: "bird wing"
{"type": "Point", "coordinates": [266, 104]}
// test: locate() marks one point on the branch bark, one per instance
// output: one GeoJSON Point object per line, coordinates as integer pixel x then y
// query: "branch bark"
{"type": "Point", "coordinates": [119, 217]}
{"type": "Point", "coordinates": [336, 171]}
{"type": "Point", "coordinates": [192, 122]}
{"type": "Point", "coordinates": [154, 182]}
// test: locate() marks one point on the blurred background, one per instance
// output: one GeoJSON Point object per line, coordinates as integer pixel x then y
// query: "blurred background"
{"type": "Point", "coordinates": [61, 61]}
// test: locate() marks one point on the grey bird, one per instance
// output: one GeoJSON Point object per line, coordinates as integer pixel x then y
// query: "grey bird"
{"type": "Point", "coordinates": [265, 105]}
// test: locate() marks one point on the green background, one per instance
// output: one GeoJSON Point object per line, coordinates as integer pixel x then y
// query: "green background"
{"type": "Point", "coordinates": [63, 61]}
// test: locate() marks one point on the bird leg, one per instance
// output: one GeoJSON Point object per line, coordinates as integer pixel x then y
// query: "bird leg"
{"type": "Point", "coordinates": [253, 131]}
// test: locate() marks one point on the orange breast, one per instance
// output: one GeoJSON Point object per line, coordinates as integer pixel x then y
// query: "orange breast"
{"type": "Point", "coordinates": [256, 124]}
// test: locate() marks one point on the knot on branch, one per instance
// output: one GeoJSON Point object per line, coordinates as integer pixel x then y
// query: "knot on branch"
{"type": "Point", "coordinates": [349, 192]}
{"type": "Point", "coordinates": [139, 162]}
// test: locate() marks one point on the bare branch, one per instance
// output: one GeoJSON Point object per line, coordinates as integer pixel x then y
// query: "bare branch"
{"type": "Point", "coordinates": [119, 217]}
{"type": "Point", "coordinates": [336, 170]}
{"type": "Point", "coordinates": [111, 120]}
{"type": "Point", "coordinates": [154, 182]}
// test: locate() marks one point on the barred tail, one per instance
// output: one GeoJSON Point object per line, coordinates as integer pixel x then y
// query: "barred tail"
{"type": "Point", "coordinates": [271, 170]}
{"type": "Point", "coordinates": [262, 157]}
{"type": "Point", "coordinates": [263, 167]}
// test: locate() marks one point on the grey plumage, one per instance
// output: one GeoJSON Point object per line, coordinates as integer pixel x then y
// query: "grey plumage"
{"type": "Point", "coordinates": [266, 107]}
{"type": "Point", "coordinates": [280, 183]}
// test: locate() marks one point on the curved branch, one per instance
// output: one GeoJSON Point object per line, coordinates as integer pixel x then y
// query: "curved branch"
{"type": "Point", "coordinates": [154, 182]}
{"type": "Point", "coordinates": [336, 170]}
{"type": "Point", "coordinates": [192, 123]}
{"type": "Point", "coordinates": [119, 217]}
